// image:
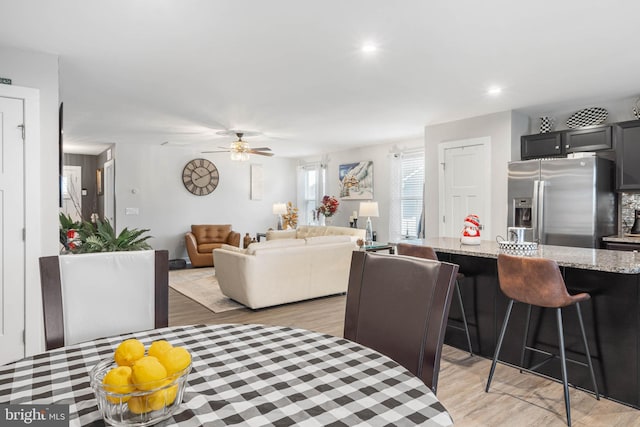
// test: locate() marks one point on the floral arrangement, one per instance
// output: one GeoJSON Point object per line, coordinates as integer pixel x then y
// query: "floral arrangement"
{"type": "Point", "coordinates": [290, 219]}
{"type": "Point", "coordinates": [329, 206]}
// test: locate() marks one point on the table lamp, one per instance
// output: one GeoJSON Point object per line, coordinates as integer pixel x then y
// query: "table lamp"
{"type": "Point", "coordinates": [279, 209]}
{"type": "Point", "coordinates": [369, 209]}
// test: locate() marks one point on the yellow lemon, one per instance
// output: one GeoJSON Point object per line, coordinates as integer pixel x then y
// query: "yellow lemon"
{"type": "Point", "coordinates": [162, 398]}
{"type": "Point", "coordinates": [175, 359]}
{"type": "Point", "coordinates": [159, 347]}
{"type": "Point", "coordinates": [118, 380]}
{"type": "Point", "coordinates": [128, 352]}
{"type": "Point", "coordinates": [138, 405]}
{"type": "Point", "coordinates": [148, 373]}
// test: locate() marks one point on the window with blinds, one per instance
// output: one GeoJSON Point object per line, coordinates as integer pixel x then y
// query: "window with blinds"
{"type": "Point", "coordinates": [411, 193]}
{"type": "Point", "coordinates": [311, 190]}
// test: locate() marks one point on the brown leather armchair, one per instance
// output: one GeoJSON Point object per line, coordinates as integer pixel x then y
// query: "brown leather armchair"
{"type": "Point", "coordinates": [203, 239]}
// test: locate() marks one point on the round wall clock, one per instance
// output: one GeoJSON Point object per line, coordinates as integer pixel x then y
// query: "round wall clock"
{"type": "Point", "coordinates": [200, 177]}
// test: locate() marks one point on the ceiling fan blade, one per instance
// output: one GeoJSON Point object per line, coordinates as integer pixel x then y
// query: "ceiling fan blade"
{"type": "Point", "coordinates": [260, 153]}
{"type": "Point", "coordinates": [262, 149]}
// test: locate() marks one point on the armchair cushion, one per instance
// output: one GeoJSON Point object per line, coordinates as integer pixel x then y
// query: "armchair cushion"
{"type": "Point", "coordinates": [211, 233]}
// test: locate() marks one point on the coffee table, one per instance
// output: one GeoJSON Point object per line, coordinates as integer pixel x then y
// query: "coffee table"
{"type": "Point", "coordinates": [375, 247]}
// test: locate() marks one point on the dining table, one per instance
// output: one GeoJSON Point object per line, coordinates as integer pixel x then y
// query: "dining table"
{"type": "Point", "coordinates": [243, 374]}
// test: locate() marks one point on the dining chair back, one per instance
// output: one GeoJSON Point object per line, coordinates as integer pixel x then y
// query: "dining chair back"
{"type": "Point", "coordinates": [398, 306]}
{"type": "Point", "coordinates": [88, 296]}
{"type": "Point", "coordinates": [428, 252]}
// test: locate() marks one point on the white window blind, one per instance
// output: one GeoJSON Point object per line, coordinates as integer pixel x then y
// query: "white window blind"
{"type": "Point", "coordinates": [411, 193]}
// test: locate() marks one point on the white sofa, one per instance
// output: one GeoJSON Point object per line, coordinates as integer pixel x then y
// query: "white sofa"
{"type": "Point", "coordinates": [304, 231]}
{"type": "Point", "coordinates": [284, 270]}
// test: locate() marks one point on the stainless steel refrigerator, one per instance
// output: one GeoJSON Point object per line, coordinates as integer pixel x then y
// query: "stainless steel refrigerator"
{"type": "Point", "coordinates": [566, 202]}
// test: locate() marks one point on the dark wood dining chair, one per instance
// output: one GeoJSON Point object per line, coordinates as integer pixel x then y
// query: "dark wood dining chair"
{"type": "Point", "coordinates": [428, 252]}
{"type": "Point", "coordinates": [88, 296]}
{"type": "Point", "coordinates": [398, 306]}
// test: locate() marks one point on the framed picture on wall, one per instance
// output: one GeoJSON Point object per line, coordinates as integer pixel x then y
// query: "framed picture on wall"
{"type": "Point", "coordinates": [356, 181]}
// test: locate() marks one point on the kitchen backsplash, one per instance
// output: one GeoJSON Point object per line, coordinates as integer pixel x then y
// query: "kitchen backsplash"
{"type": "Point", "coordinates": [629, 203]}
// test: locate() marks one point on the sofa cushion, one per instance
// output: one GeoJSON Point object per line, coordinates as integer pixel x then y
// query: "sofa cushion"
{"type": "Point", "coordinates": [273, 244]}
{"type": "Point", "coordinates": [233, 248]}
{"type": "Point", "coordinates": [281, 234]}
{"type": "Point", "coordinates": [305, 231]}
{"type": "Point", "coordinates": [323, 240]}
{"type": "Point", "coordinates": [206, 233]}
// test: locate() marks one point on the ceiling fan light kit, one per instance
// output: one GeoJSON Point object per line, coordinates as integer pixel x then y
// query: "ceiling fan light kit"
{"type": "Point", "coordinates": [240, 150]}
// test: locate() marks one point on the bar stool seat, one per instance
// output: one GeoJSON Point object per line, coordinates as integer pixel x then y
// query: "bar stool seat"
{"type": "Point", "coordinates": [539, 282]}
{"type": "Point", "coordinates": [428, 252]}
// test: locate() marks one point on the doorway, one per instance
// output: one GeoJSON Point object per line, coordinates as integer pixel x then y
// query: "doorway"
{"type": "Point", "coordinates": [464, 179]}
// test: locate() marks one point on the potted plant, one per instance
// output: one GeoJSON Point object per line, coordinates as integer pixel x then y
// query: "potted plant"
{"type": "Point", "coordinates": [85, 237]}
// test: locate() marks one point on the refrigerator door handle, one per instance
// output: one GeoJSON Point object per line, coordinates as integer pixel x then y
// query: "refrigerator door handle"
{"type": "Point", "coordinates": [540, 198]}
{"type": "Point", "coordinates": [534, 210]}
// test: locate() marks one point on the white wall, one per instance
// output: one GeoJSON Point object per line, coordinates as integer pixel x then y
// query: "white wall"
{"type": "Point", "coordinates": [149, 177]}
{"type": "Point", "coordinates": [380, 155]}
{"type": "Point", "coordinates": [500, 128]}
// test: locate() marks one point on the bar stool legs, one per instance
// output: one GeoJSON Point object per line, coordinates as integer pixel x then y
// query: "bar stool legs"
{"type": "Point", "coordinates": [464, 317]}
{"type": "Point", "coordinates": [588, 354]}
{"type": "Point", "coordinates": [563, 359]}
{"type": "Point", "coordinates": [495, 356]}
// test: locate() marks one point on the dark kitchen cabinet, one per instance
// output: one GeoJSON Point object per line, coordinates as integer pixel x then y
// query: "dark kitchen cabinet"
{"type": "Point", "coordinates": [627, 139]}
{"type": "Point", "coordinates": [541, 145]}
{"type": "Point", "coordinates": [590, 139]}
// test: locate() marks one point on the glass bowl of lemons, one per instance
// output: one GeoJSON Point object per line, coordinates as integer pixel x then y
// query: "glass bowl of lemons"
{"type": "Point", "coordinates": [139, 387]}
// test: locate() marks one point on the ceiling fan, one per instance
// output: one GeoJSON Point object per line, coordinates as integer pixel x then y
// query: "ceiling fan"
{"type": "Point", "coordinates": [240, 149]}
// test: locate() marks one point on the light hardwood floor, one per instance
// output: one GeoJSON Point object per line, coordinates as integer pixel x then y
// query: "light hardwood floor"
{"type": "Point", "coordinates": [515, 399]}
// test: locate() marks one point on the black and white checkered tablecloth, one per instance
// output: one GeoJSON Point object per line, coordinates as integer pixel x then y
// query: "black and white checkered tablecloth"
{"type": "Point", "coordinates": [245, 375]}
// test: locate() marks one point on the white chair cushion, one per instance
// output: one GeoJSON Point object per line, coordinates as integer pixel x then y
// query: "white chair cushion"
{"type": "Point", "coordinates": [106, 294]}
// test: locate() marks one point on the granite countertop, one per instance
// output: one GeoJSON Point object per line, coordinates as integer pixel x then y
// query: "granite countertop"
{"type": "Point", "coordinates": [627, 238]}
{"type": "Point", "coordinates": [588, 259]}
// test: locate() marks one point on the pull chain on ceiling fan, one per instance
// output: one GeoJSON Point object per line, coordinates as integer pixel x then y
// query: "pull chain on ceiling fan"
{"type": "Point", "coordinates": [240, 149]}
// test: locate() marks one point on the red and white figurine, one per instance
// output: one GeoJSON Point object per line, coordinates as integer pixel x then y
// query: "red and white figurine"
{"type": "Point", "coordinates": [471, 230]}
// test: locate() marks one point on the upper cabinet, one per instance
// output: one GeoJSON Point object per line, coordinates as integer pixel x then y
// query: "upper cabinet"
{"type": "Point", "coordinates": [627, 137]}
{"type": "Point", "coordinates": [561, 143]}
{"type": "Point", "coordinates": [590, 139]}
{"type": "Point", "coordinates": [541, 145]}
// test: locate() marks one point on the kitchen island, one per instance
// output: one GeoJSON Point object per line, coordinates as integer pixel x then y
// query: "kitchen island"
{"type": "Point", "coordinates": [611, 316]}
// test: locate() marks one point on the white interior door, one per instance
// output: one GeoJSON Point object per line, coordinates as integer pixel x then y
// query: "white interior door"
{"type": "Point", "coordinates": [72, 192]}
{"type": "Point", "coordinates": [109, 193]}
{"type": "Point", "coordinates": [12, 223]}
{"type": "Point", "coordinates": [464, 185]}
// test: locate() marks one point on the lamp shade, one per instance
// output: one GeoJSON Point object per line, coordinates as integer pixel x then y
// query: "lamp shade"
{"type": "Point", "coordinates": [369, 209]}
{"type": "Point", "coordinates": [279, 208]}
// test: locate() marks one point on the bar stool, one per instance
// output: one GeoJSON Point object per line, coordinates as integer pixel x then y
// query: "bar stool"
{"type": "Point", "coordinates": [538, 281]}
{"type": "Point", "coordinates": [429, 253]}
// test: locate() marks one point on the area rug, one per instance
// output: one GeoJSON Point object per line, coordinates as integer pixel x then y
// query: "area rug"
{"type": "Point", "coordinates": [201, 285]}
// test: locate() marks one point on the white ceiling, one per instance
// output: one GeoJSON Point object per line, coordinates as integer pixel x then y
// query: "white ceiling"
{"type": "Point", "coordinates": [149, 71]}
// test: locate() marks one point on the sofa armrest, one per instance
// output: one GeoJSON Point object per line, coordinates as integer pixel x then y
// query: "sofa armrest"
{"type": "Point", "coordinates": [233, 239]}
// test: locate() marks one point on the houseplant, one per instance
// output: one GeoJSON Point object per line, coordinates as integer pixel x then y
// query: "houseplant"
{"type": "Point", "coordinates": [85, 237]}
{"type": "Point", "coordinates": [328, 207]}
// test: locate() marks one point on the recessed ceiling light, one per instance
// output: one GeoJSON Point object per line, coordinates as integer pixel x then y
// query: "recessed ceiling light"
{"type": "Point", "coordinates": [494, 91]}
{"type": "Point", "coordinates": [369, 48]}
